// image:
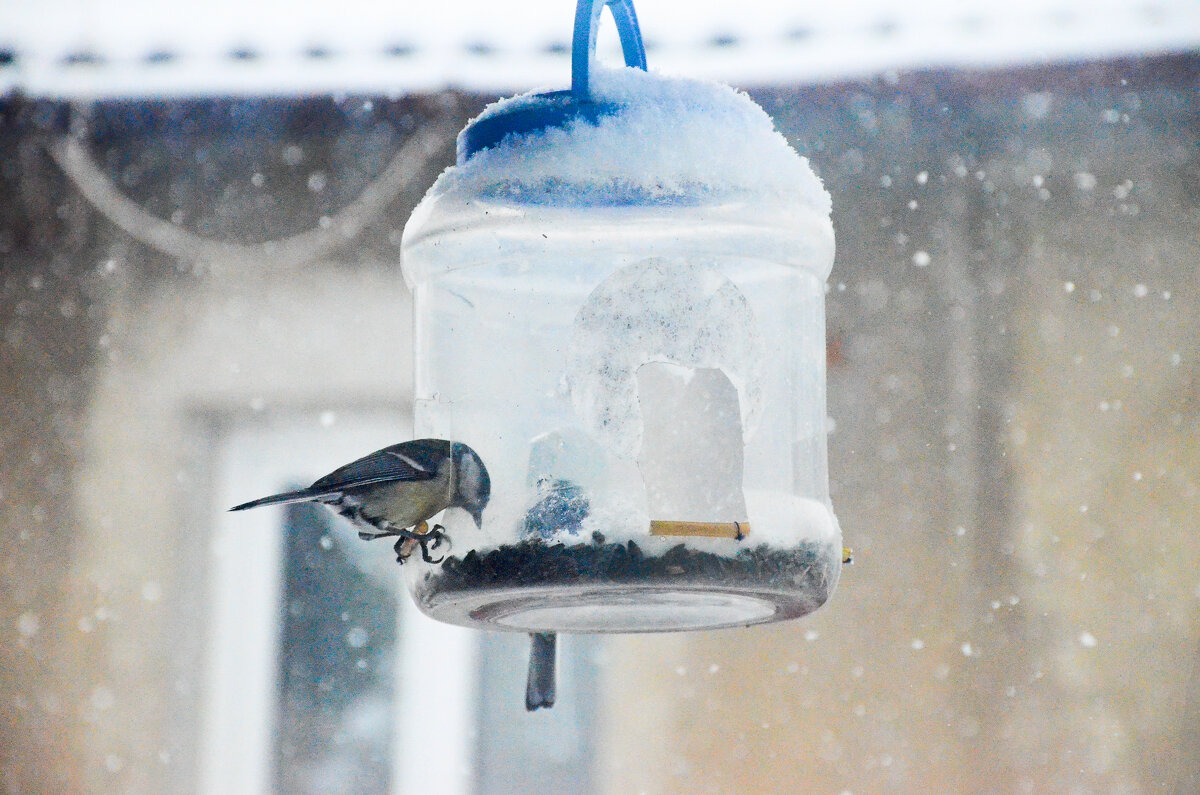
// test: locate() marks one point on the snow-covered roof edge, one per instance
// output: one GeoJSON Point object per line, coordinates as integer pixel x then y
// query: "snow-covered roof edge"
{"type": "Point", "coordinates": [83, 49]}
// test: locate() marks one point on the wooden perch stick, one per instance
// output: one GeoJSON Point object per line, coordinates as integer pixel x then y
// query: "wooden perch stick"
{"type": "Point", "coordinates": [736, 530]}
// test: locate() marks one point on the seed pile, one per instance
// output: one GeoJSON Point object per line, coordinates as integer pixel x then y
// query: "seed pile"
{"type": "Point", "coordinates": [533, 562]}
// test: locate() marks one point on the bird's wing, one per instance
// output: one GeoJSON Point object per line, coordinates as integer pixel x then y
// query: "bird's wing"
{"type": "Point", "coordinates": [410, 461]}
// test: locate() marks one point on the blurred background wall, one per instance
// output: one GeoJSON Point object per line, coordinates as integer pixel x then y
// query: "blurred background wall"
{"type": "Point", "coordinates": [1014, 347]}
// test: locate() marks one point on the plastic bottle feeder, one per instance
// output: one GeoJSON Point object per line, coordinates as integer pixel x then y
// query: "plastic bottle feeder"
{"type": "Point", "coordinates": [619, 305]}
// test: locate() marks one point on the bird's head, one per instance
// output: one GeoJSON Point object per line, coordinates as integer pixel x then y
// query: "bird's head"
{"type": "Point", "coordinates": [474, 486]}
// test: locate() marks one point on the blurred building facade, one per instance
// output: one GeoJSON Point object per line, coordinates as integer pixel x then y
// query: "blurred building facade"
{"type": "Point", "coordinates": [1014, 352]}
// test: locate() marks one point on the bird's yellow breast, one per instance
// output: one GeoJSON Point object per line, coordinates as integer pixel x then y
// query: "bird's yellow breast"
{"type": "Point", "coordinates": [406, 503]}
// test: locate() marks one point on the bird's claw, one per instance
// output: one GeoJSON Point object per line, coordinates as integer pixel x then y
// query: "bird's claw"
{"type": "Point", "coordinates": [425, 556]}
{"type": "Point", "coordinates": [432, 540]}
{"type": "Point", "coordinates": [422, 537]}
{"type": "Point", "coordinates": [436, 535]}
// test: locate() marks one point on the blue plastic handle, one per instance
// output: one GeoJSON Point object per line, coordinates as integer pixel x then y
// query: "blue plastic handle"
{"type": "Point", "coordinates": [583, 49]}
{"type": "Point", "coordinates": [558, 108]}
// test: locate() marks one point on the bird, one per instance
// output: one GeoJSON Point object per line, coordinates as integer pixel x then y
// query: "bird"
{"type": "Point", "coordinates": [397, 490]}
{"type": "Point", "coordinates": [540, 685]}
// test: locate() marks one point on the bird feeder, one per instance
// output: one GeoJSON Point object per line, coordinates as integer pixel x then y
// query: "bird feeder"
{"type": "Point", "coordinates": [619, 302]}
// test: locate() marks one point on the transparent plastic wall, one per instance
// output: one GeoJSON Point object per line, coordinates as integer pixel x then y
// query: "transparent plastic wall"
{"type": "Point", "coordinates": [643, 375]}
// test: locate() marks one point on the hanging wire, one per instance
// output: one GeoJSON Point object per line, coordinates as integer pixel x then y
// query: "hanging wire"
{"type": "Point", "coordinates": [72, 156]}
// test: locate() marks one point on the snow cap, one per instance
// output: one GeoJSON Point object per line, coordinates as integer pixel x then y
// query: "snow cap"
{"type": "Point", "coordinates": [647, 138]}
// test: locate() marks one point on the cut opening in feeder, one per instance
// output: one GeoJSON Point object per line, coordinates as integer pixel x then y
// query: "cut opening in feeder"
{"type": "Point", "coordinates": [691, 458]}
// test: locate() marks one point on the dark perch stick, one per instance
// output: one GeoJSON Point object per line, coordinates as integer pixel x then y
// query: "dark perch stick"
{"type": "Point", "coordinates": [540, 687]}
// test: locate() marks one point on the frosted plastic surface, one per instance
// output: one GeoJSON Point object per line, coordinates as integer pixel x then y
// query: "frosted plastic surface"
{"type": "Point", "coordinates": [626, 321]}
{"type": "Point", "coordinates": [677, 312]}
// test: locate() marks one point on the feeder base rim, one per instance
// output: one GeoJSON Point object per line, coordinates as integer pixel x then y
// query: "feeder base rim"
{"type": "Point", "coordinates": [619, 607]}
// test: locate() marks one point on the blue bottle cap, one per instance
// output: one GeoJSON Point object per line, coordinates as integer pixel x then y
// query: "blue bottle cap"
{"type": "Point", "coordinates": [558, 108]}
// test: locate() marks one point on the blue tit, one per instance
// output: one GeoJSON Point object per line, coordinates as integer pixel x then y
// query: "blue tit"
{"type": "Point", "coordinates": [540, 686]}
{"type": "Point", "coordinates": [396, 490]}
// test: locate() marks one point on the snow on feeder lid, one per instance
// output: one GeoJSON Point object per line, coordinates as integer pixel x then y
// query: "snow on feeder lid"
{"type": "Point", "coordinates": [619, 305]}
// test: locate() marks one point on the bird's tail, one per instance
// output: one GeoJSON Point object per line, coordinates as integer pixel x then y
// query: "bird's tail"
{"type": "Point", "coordinates": [303, 495]}
{"type": "Point", "coordinates": [540, 686]}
